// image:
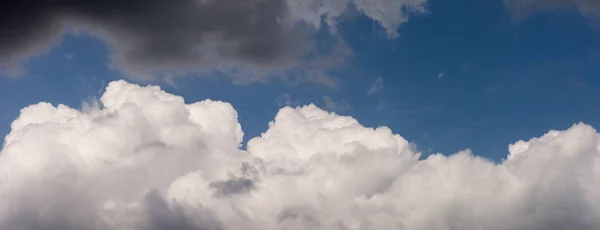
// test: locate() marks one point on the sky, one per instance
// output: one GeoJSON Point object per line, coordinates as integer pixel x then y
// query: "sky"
{"type": "Point", "coordinates": [450, 87]}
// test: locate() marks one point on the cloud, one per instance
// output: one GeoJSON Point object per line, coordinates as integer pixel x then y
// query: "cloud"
{"type": "Point", "coordinates": [440, 75]}
{"type": "Point", "coordinates": [521, 9]}
{"type": "Point", "coordinates": [153, 33]}
{"type": "Point", "coordinates": [376, 87]}
{"type": "Point", "coordinates": [285, 99]}
{"type": "Point", "coordinates": [335, 106]}
{"type": "Point", "coordinates": [144, 159]}
{"type": "Point", "coordinates": [155, 37]}
{"type": "Point", "coordinates": [388, 13]}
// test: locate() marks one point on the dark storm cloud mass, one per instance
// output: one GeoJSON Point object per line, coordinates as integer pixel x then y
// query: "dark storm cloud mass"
{"type": "Point", "coordinates": [147, 33]}
{"type": "Point", "coordinates": [247, 40]}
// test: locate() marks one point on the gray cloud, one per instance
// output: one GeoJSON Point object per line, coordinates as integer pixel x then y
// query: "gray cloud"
{"type": "Point", "coordinates": [150, 38]}
{"type": "Point", "coordinates": [165, 216]}
{"type": "Point", "coordinates": [232, 186]}
{"type": "Point", "coordinates": [150, 33]}
{"type": "Point", "coordinates": [294, 217]}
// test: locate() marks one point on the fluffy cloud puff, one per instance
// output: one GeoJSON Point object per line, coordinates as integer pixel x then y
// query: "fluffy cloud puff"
{"type": "Point", "coordinates": [144, 159]}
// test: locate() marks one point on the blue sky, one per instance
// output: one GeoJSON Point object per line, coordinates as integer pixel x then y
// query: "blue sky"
{"type": "Point", "coordinates": [462, 76]}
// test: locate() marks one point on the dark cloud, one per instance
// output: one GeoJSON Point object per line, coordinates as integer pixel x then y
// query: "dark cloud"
{"type": "Point", "coordinates": [154, 33]}
{"type": "Point", "coordinates": [239, 185]}
{"type": "Point", "coordinates": [232, 186]}
{"type": "Point", "coordinates": [247, 40]}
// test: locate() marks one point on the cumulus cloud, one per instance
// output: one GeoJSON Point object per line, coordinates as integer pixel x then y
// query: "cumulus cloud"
{"type": "Point", "coordinates": [149, 37]}
{"type": "Point", "coordinates": [144, 159]}
{"type": "Point", "coordinates": [521, 9]}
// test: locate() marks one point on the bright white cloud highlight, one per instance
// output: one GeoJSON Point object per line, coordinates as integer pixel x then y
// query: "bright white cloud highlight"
{"type": "Point", "coordinates": [146, 160]}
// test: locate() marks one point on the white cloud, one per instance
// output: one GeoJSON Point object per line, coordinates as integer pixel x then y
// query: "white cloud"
{"type": "Point", "coordinates": [440, 75]}
{"type": "Point", "coordinates": [147, 160]}
{"type": "Point", "coordinates": [376, 87]}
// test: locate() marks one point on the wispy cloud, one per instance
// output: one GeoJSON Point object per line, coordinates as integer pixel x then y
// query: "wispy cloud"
{"type": "Point", "coordinates": [522, 9]}
{"type": "Point", "coordinates": [440, 75]}
{"type": "Point", "coordinates": [285, 99]}
{"type": "Point", "coordinates": [335, 106]}
{"type": "Point", "coordinates": [376, 87]}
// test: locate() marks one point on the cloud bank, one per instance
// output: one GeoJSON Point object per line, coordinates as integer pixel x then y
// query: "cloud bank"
{"type": "Point", "coordinates": [144, 159]}
{"type": "Point", "coordinates": [148, 37]}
